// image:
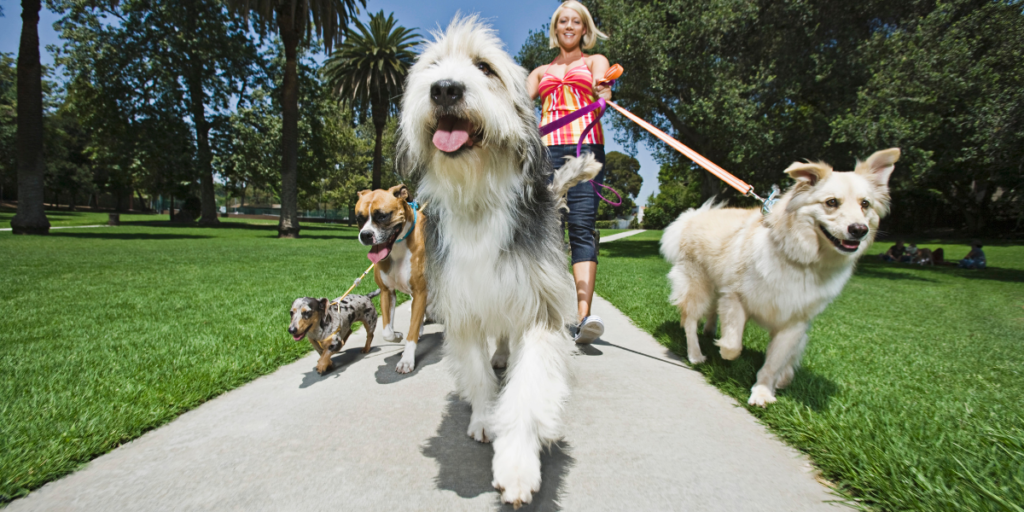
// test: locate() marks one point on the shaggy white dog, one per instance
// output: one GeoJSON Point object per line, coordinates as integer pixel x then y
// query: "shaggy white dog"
{"type": "Point", "coordinates": [779, 270]}
{"type": "Point", "coordinates": [495, 262]}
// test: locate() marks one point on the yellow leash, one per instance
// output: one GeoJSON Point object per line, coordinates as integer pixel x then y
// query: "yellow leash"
{"type": "Point", "coordinates": [350, 288]}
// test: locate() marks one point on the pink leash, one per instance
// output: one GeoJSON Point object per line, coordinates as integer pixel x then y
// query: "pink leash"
{"type": "Point", "coordinates": [554, 125]}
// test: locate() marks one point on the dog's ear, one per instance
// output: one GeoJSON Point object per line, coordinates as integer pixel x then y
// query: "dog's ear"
{"type": "Point", "coordinates": [808, 172]}
{"type": "Point", "coordinates": [879, 166]}
{"type": "Point", "coordinates": [363, 193]}
{"type": "Point", "coordinates": [322, 305]}
{"type": "Point", "coordinates": [400, 192]}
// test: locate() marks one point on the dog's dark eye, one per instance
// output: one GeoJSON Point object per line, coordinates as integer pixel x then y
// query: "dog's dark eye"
{"type": "Point", "coordinates": [832, 203]}
{"type": "Point", "coordinates": [306, 314]}
{"type": "Point", "coordinates": [360, 220]}
{"type": "Point", "coordinates": [485, 68]}
{"type": "Point", "coordinates": [865, 204]}
{"type": "Point", "coordinates": [381, 218]}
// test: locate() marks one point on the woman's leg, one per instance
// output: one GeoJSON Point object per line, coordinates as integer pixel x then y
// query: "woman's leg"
{"type": "Point", "coordinates": [585, 273]}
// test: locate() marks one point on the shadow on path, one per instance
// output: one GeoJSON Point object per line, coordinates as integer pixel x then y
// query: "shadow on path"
{"type": "Point", "coordinates": [428, 352]}
{"type": "Point", "coordinates": [465, 465]}
{"type": "Point", "coordinates": [808, 388]}
{"type": "Point", "coordinates": [342, 360]}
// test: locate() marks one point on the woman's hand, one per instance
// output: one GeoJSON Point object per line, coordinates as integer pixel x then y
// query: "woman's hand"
{"type": "Point", "coordinates": [603, 91]}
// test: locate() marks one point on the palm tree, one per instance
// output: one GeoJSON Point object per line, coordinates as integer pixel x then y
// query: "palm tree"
{"type": "Point", "coordinates": [31, 217]}
{"type": "Point", "coordinates": [295, 19]}
{"type": "Point", "coordinates": [368, 70]}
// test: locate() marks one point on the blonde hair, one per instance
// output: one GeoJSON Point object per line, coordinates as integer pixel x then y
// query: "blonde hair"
{"type": "Point", "coordinates": [589, 39]}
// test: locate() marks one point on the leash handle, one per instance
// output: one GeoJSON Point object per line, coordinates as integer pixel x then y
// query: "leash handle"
{"type": "Point", "coordinates": [595, 184]}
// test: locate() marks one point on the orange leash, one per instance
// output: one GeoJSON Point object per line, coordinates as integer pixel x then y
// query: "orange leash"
{"type": "Point", "coordinates": [743, 187]}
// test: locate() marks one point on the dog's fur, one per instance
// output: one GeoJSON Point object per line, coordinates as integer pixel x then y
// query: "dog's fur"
{"type": "Point", "coordinates": [780, 270]}
{"type": "Point", "coordinates": [328, 325]}
{"type": "Point", "coordinates": [494, 245]}
{"type": "Point", "coordinates": [384, 216]}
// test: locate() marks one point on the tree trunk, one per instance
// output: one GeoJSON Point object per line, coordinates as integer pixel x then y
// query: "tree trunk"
{"type": "Point", "coordinates": [244, 187]}
{"type": "Point", "coordinates": [380, 119]}
{"type": "Point", "coordinates": [31, 216]}
{"type": "Point", "coordinates": [289, 224]}
{"type": "Point", "coordinates": [197, 100]}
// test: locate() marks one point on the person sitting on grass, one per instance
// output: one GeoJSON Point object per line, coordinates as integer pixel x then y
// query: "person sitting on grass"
{"type": "Point", "coordinates": [911, 254]}
{"type": "Point", "coordinates": [894, 253]}
{"type": "Point", "coordinates": [974, 259]}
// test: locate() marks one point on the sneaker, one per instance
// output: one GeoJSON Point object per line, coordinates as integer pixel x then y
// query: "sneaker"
{"type": "Point", "coordinates": [589, 330]}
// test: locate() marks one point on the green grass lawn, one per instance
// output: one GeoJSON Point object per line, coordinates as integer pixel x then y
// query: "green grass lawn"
{"type": "Point", "coordinates": [110, 332]}
{"type": "Point", "coordinates": [911, 395]}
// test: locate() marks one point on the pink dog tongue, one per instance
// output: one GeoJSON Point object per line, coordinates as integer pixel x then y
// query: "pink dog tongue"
{"type": "Point", "coordinates": [378, 252]}
{"type": "Point", "coordinates": [452, 133]}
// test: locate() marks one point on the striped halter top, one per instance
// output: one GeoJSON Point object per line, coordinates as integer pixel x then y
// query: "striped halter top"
{"type": "Point", "coordinates": [563, 96]}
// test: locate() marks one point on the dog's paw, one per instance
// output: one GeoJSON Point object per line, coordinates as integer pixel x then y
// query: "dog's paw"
{"type": "Point", "coordinates": [477, 430]}
{"type": "Point", "coordinates": [761, 396]}
{"type": "Point", "coordinates": [516, 475]}
{"type": "Point", "coordinates": [697, 359]}
{"type": "Point", "coordinates": [408, 361]}
{"type": "Point", "coordinates": [499, 360]}
{"type": "Point", "coordinates": [322, 367]}
{"type": "Point", "coordinates": [392, 336]}
{"type": "Point", "coordinates": [404, 366]}
{"type": "Point", "coordinates": [730, 353]}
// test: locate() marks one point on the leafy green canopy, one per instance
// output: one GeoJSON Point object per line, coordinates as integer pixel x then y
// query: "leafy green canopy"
{"type": "Point", "coordinates": [370, 66]}
{"type": "Point", "coordinates": [132, 83]}
{"type": "Point", "coordinates": [368, 73]}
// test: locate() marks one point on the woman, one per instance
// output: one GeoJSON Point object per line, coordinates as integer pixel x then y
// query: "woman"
{"type": "Point", "coordinates": [569, 83]}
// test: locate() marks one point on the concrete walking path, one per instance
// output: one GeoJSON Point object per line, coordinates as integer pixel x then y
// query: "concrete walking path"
{"type": "Point", "coordinates": [624, 234]}
{"type": "Point", "coordinates": [642, 432]}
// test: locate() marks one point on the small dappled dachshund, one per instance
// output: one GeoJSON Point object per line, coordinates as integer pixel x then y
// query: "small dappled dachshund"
{"type": "Point", "coordinates": [329, 324]}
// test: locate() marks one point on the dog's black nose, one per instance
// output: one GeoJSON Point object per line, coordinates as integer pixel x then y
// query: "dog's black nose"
{"type": "Point", "coordinates": [366, 237]}
{"type": "Point", "coordinates": [857, 230]}
{"type": "Point", "coordinates": [292, 331]}
{"type": "Point", "coordinates": [446, 93]}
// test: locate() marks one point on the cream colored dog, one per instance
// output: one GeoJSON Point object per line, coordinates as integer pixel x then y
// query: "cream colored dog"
{"type": "Point", "coordinates": [780, 270]}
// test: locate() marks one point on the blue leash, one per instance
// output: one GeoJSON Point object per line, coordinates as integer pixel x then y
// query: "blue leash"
{"type": "Point", "coordinates": [415, 211]}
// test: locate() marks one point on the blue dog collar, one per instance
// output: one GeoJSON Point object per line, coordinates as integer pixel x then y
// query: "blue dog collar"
{"type": "Point", "coordinates": [415, 210]}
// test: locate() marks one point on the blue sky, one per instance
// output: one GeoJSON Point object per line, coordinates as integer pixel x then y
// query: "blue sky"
{"type": "Point", "coordinates": [513, 21]}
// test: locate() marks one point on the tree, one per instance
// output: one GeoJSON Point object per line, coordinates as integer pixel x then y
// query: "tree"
{"type": "Point", "coordinates": [622, 173]}
{"type": "Point", "coordinates": [31, 217]}
{"type": "Point", "coordinates": [8, 121]}
{"type": "Point", "coordinates": [679, 189]}
{"type": "Point", "coordinates": [211, 53]}
{"type": "Point", "coordinates": [151, 86]}
{"type": "Point", "coordinates": [295, 20]}
{"type": "Point", "coordinates": [950, 90]}
{"type": "Point", "coordinates": [368, 72]}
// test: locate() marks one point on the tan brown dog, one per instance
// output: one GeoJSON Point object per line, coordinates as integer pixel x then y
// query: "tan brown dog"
{"type": "Point", "coordinates": [395, 230]}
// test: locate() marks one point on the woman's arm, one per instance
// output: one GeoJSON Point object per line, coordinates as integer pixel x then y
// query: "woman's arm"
{"type": "Point", "coordinates": [598, 65]}
{"type": "Point", "coordinates": [533, 82]}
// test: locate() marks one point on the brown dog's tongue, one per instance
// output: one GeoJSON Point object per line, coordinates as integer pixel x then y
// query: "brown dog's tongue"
{"type": "Point", "coordinates": [378, 252]}
{"type": "Point", "coordinates": [452, 133]}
